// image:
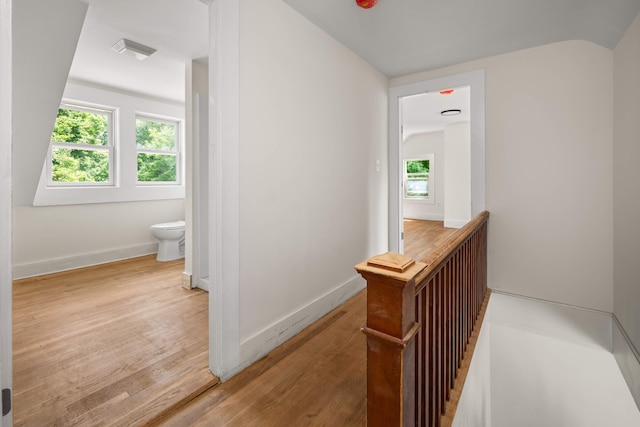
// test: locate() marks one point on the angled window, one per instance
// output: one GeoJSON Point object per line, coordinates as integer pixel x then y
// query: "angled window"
{"type": "Point", "coordinates": [82, 148]}
{"type": "Point", "coordinates": [417, 178]}
{"type": "Point", "coordinates": [158, 150]}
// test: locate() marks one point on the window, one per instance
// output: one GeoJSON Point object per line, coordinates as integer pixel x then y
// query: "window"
{"type": "Point", "coordinates": [97, 154]}
{"type": "Point", "coordinates": [82, 150]}
{"type": "Point", "coordinates": [157, 142]}
{"type": "Point", "coordinates": [417, 178]}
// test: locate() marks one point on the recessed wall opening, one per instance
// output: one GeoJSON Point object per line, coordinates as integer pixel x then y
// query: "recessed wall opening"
{"type": "Point", "coordinates": [447, 148]}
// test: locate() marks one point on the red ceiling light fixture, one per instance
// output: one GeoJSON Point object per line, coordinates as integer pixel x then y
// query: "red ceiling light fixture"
{"type": "Point", "coordinates": [447, 91]}
{"type": "Point", "coordinates": [366, 4]}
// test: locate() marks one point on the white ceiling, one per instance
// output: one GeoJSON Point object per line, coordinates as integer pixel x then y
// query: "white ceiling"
{"type": "Point", "coordinates": [177, 29]}
{"type": "Point", "coordinates": [396, 36]}
{"type": "Point", "coordinates": [421, 113]}
{"type": "Point", "coordinates": [400, 37]}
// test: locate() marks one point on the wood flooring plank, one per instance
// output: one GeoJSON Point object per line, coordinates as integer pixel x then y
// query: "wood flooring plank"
{"type": "Point", "coordinates": [422, 237]}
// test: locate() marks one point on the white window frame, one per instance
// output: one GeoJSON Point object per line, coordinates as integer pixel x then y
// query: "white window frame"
{"type": "Point", "coordinates": [430, 184]}
{"type": "Point", "coordinates": [110, 148]}
{"type": "Point", "coordinates": [177, 152]}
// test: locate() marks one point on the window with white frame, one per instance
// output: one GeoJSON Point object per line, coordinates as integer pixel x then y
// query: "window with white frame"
{"type": "Point", "coordinates": [97, 153]}
{"type": "Point", "coordinates": [82, 149]}
{"type": "Point", "coordinates": [158, 150]}
{"type": "Point", "coordinates": [417, 178]}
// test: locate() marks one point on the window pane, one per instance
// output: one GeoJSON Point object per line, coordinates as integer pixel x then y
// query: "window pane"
{"type": "Point", "coordinates": [71, 165]}
{"type": "Point", "coordinates": [155, 135]}
{"type": "Point", "coordinates": [416, 175]}
{"type": "Point", "coordinates": [156, 168]}
{"type": "Point", "coordinates": [417, 188]}
{"type": "Point", "coordinates": [83, 127]}
{"type": "Point", "coordinates": [417, 166]}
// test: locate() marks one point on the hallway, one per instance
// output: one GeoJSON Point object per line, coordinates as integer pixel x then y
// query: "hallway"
{"type": "Point", "coordinates": [318, 378]}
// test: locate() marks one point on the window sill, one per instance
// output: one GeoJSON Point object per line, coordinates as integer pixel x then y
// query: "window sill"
{"type": "Point", "coordinates": [47, 196]}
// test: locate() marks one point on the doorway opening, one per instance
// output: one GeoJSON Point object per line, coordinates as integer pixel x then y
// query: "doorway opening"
{"type": "Point", "coordinates": [436, 159]}
{"type": "Point", "coordinates": [118, 219]}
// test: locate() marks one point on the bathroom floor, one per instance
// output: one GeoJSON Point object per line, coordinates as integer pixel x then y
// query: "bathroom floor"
{"type": "Point", "coordinates": [112, 344]}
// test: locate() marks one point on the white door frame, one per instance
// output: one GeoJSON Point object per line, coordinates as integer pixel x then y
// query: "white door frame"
{"type": "Point", "coordinates": [224, 182]}
{"type": "Point", "coordinates": [474, 79]}
{"type": "Point", "coordinates": [200, 198]}
{"type": "Point", "coordinates": [5, 202]}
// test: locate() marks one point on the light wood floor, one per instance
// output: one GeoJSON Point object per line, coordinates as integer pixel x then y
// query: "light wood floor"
{"type": "Point", "coordinates": [116, 344]}
{"type": "Point", "coordinates": [421, 237]}
{"type": "Point", "coordinates": [124, 344]}
{"type": "Point", "coordinates": [318, 378]}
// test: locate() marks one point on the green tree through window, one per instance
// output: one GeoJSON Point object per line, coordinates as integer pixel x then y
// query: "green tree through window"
{"type": "Point", "coordinates": [80, 151]}
{"type": "Point", "coordinates": [157, 150]}
{"type": "Point", "coordinates": [416, 179]}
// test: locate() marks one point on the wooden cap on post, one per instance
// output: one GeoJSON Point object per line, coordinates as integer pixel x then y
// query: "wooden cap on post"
{"type": "Point", "coordinates": [391, 265]}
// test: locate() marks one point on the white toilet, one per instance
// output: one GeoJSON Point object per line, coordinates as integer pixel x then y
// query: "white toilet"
{"type": "Point", "coordinates": [171, 237]}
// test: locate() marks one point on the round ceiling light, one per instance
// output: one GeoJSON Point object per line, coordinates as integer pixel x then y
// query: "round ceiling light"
{"type": "Point", "coordinates": [366, 4]}
{"type": "Point", "coordinates": [453, 112]}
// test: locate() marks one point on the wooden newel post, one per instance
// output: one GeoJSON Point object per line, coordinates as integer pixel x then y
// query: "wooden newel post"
{"type": "Point", "coordinates": [391, 330]}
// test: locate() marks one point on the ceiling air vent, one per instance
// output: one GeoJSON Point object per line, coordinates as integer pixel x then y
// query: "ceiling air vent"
{"type": "Point", "coordinates": [138, 50]}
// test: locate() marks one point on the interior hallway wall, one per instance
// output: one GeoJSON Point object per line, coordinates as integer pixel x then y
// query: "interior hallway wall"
{"type": "Point", "coordinates": [626, 195]}
{"type": "Point", "coordinates": [313, 123]}
{"type": "Point", "coordinates": [549, 179]}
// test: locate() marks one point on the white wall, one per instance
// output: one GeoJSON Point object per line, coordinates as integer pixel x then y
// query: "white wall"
{"type": "Point", "coordinates": [548, 118]}
{"type": "Point", "coordinates": [626, 189]}
{"type": "Point", "coordinates": [418, 146]}
{"type": "Point", "coordinates": [457, 175]}
{"type": "Point", "coordinates": [44, 43]}
{"type": "Point", "coordinates": [313, 123]}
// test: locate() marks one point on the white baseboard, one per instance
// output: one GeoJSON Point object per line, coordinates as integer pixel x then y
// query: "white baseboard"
{"type": "Point", "coordinates": [260, 344]}
{"type": "Point", "coordinates": [583, 326]}
{"type": "Point", "coordinates": [202, 283]}
{"type": "Point", "coordinates": [423, 216]}
{"type": "Point", "coordinates": [38, 268]}
{"type": "Point", "coordinates": [628, 359]}
{"type": "Point", "coordinates": [455, 223]}
{"type": "Point", "coordinates": [187, 280]}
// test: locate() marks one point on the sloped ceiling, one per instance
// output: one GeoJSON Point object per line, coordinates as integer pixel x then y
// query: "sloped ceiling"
{"type": "Point", "coordinates": [400, 37]}
{"type": "Point", "coordinates": [177, 29]}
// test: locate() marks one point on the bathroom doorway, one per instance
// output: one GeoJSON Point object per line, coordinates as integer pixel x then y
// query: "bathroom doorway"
{"type": "Point", "coordinates": [107, 224]}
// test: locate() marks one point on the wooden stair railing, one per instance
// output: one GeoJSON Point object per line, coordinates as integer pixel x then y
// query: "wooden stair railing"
{"type": "Point", "coordinates": [420, 316]}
